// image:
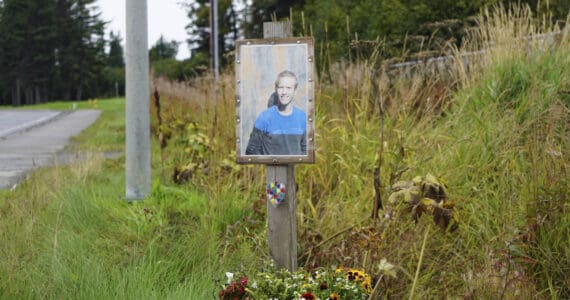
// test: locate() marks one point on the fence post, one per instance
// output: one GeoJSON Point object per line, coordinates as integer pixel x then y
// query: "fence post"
{"type": "Point", "coordinates": [282, 220]}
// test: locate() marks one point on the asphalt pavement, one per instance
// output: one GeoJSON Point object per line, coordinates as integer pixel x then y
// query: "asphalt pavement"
{"type": "Point", "coordinates": [34, 138]}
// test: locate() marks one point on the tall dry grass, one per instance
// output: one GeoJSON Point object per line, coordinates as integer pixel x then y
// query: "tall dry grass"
{"type": "Point", "coordinates": [492, 122]}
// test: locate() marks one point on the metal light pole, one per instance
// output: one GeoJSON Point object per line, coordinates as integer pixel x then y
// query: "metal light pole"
{"type": "Point", "coordinates": [137, 102]}
{"type": "Point", "coordinates": [214, 38]}
{"type": "Point", "coordinates": [216, 42]}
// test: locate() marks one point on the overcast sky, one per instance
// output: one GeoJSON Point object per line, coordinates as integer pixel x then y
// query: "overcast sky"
{"type": "Point", "coordinates": [165, 17]}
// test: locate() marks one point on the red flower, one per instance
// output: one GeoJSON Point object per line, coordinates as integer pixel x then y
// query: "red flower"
{"type": "Point", "coordinates": [308, 295]}
{"type": "Point", "coordinates": [235, 290]}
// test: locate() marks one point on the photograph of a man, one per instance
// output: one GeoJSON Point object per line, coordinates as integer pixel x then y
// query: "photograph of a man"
{"type": "Point", "coordinates": [281, 129]}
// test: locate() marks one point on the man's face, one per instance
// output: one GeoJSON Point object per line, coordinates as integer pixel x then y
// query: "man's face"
{"type": "Point", "coordinates": [286, 90]}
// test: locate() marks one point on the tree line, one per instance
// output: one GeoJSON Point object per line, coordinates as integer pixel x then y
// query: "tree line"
{"type": "Point", "coordinates": [57, 49]}
{"type": "Point", "coordinates": [349, 30]}
{"type": "Point", "coordinates": [53, 49]}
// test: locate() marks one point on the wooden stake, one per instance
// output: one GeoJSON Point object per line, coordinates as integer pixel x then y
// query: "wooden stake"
{"type": "Point", "coordinates": [282, 220]}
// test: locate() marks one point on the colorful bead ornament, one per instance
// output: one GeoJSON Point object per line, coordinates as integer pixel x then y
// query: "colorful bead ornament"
{"type": "Point", "coordinates": [275, 193]}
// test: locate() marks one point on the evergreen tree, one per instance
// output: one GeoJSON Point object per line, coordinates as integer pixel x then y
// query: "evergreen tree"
{"type": "Point", "coordinates": [163, 49]}
{"type": "Point", "coordinates": [199, 28]}
{"type": "Point", "coordinates": [115, 58]}
{"type": "Point", "coordinates": [50, 49]}
{"type": "Point", "coordinates": [352, 29]}
{"type": "Point", "coordinates": [27, 40]}
{"type": "Point", "coordinates": [113, 80]}
{"type": "Point", "coordinates": [82, 48]}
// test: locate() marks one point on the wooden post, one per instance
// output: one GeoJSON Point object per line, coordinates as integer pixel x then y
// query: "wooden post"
{"type": "Point", "coordinates": [282, 220]}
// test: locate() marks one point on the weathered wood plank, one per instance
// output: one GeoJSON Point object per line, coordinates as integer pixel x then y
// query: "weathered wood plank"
{"type": "Point", "coordinates": [277, 30]}
{"type": "Point", "coordinates": [282, 220]}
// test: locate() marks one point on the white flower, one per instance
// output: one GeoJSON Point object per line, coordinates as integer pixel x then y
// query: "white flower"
{"type": "Point", "coordinates": [230, 277]}
{"type": "Point", "coordinates": [387, 268]}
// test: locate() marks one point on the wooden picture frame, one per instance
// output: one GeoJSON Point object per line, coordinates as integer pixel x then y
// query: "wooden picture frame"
{"type": "Point", "coordinates": [260, 66]}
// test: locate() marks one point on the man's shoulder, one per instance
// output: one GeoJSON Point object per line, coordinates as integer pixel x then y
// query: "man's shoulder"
{"type": "Point", "coordinates": [268, 113]}
{"type": "Point", "coordinates": [264, 118]}
{"type": "Point", "coordinates": [298, 111]}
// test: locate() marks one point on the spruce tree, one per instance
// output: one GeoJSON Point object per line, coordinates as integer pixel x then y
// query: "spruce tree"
{"type": "Point", "coordinates": [115, 58]}
{"type": "Point", "coordinates": [50, 49]}
{"type": "Point", "coordinates": [27, 41]}
{"type": "Point", "coordinates": [199, 28]}
{"type": "Point", "coordinates": [163, 49]}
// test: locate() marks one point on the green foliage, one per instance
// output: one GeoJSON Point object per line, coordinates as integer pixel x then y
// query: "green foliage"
{"type": "Point", "coordinates": [73, 236]}
{"type": "Point", "coordinates": [184, 70]}
{"type": "Point", "coordinates": [500, 153]}
{"type": "Point", "coordinates": [163, 49]}
{"type": "Point", "coordinates": [112, 82]}
{"type": "Point", "coordinates": [164, 63]}
{"type": "Point", "coordinates": [257, 12]}
{"type": "Point", "coordinates": [49, 50]}
{"type": "Point", "coordinates": [399, 29]}
{"type": "Point", "coordinates": [320, 284]}
{"type": "Point", "coordinates": [199, 30]}
{"type": "Point", "coordinates": [115, 58]}
{"type": "Point", "coordinates": [24, 54]}
{"type": "Point", "coordinates": [80, 50]}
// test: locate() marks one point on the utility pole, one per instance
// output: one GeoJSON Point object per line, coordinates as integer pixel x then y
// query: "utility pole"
{"type": "Point", "coordinates": [214, 37]}
{"type": "Point", "coordinates": [216, 42]}
{"type": "Point", "coordinates": [137, 102]}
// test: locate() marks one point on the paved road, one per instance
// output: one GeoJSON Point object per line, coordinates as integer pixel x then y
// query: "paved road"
{"type": "Point", "coordinates": [31, 139]}
{"type": "Point", "coordinates": [14, 121]}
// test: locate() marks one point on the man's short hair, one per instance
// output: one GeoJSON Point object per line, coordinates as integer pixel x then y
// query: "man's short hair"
{"type": "Point", "coordinates": [286, 73]}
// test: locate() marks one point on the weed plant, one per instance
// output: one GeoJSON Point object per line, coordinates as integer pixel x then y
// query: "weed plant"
{"type": "Point", "coordinates": [496, 131]}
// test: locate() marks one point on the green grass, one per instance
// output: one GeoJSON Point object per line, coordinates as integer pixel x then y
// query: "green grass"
{"type": "Point", "coordinates": [67, 232]}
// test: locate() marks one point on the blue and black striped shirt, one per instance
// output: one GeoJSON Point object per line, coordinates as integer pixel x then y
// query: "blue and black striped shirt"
{"type": "Point", "coordinates": [275, 134]}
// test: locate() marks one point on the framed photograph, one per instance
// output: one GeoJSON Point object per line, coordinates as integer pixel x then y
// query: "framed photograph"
{"type": "Point", "coordinates": [275, 103]}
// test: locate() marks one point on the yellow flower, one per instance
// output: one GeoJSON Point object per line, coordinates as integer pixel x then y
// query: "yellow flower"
{"type": "Point", "coordinates": [367, 285]}
{"type": "Point", "coordinates": [334, 296]}
{"type": "Point", "coordinates": [356, 275]}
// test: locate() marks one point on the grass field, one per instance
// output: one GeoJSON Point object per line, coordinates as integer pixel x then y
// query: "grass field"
{"type": "Point", "coordinates": [497, 137]}
{"type": "Point", "coordinates": [68, 233]}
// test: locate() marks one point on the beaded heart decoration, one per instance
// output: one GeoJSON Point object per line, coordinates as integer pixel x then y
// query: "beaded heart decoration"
{"type": "Point", "coordinates": [275, 193]}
